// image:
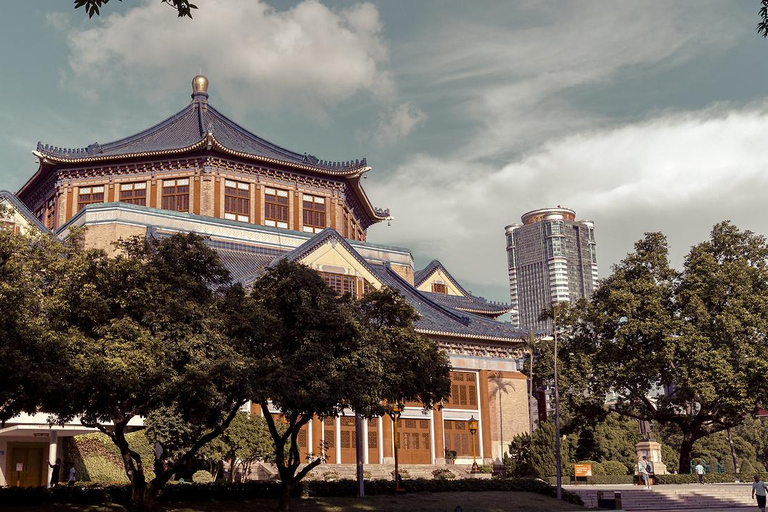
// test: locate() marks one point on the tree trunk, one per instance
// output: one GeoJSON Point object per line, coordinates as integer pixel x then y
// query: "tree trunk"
{"type": "Point", "coordinates": [143, 500]}
{"type": "Point", "coordinates": [285, 496]}
{"type": "Point", "coordinates": [686, 447]}
{"type": "Point", "coordinates": [733, 452]}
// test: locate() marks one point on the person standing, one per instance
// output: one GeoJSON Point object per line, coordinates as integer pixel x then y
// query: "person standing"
{"type": "Point", "coordinates": [71, 481]}
{"type": "Point", "coordinates": [55, 473]}
{"type": "Point", "coordinates": [758, 491]}
{"type": "Point", "coordinates": [700, 472]}
{"type": "Point", "coordinates": [642, 470]}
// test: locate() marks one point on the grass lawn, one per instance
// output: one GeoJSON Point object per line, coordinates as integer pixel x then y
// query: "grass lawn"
{"type": "Point", "coordinates": [491, 501]}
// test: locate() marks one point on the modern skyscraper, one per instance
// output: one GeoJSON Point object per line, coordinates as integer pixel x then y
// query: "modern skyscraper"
{"type": "Point", "coordinates": [551, 258]}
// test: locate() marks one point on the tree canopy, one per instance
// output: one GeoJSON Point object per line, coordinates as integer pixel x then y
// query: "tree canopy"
{"type": "Point", "coordinates": [93, 7]}
{"type": "Point", "coordinates": [145, 331]}
{"type": "Point", "coordinates": [687, 348]}
{"type": "Point", "coordinates": [329, 355]}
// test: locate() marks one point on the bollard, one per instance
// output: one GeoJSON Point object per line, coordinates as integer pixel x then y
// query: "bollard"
{"type": "Point", "coordinates": [617, 497]}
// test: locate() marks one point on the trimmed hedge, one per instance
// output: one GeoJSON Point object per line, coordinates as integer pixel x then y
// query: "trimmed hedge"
{"type": "Point", "coordinates": [271, 490]}
{"type": "Point", "coordinates": [596, 479]}
{"type": "Point", "coordinates": [710, 478]}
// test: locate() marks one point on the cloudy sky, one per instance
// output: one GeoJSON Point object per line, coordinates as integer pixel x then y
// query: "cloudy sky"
{"type": "Point", "coordinates": [640, 115]}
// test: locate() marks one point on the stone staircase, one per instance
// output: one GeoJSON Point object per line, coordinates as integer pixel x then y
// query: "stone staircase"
{"type": "Point", "coordinates": [261, 471]}
{"type": "Point", "coordinates": [671, 497]}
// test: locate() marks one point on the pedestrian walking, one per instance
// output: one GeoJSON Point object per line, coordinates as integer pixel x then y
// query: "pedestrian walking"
{"type": "Point", "coordinates": [758, 491]}
{"type": "Point", "coordinates": [642, 470]}
{"type": "Point", "coordinates": [71, 481]}
{"type": "Point", "coordinates": [700, 472]}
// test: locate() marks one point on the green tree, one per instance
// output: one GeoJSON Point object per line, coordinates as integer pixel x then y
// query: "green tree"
{"type": "Point", "coordinates": [144, 331]}
{"type": "Point", "coordinates": [519, 463]}
{"type": "Point", "coordinates": [699, 334]}
{"type": "Point", "coordinates": [183, 7]}
{"type": "Point", "coordinates": [32, 269]}
{"type": "Point", "coordinates": [329, 353]}
{"type": "Point", "coordinates": [543, 459]}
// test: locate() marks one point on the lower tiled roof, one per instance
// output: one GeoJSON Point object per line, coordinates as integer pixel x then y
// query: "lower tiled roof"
{"type": "Point", "coordinates": [470, 304]}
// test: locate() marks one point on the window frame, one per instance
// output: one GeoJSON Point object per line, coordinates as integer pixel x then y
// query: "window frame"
{"type": "Point", "coordinates": [274, 207]}
{"type": "Point", "coordinates": [314, 213]}
{"type": "Point", "coordinates": [90, 194]}
{"type": "Point", "coordinates": [132, 197]}
{"type": "Point", "coordinates": [173, 198]}
{"type": "Point", "coordinates": [237, 200]}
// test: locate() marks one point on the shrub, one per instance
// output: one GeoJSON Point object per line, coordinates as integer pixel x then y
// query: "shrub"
{"type": "Point", "coordinates": [404, 474]}
{"type": "Point", "coordinates": [330, 476]}
{"type": "Point", "coordinates": [715, 478]}
{"type": "Point", "coordinates": [486, 468]}
{"type": "Point", "coordinates": [202, 477]}
{"type": "Point", "coordinates": [443, 474]}
{"type": "Point", "coordinates": [614, 468]}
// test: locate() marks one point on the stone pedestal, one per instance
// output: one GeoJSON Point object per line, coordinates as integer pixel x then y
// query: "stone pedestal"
{"type": "Point", "coordinates": [652, 450]}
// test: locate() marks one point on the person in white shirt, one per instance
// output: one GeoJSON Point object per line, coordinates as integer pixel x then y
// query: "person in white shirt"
{"type": "Point", "coordinates": [700, 472]}
{"type": "Point", "coordinates": [642, 470]}
{"type": "Point", "coordinates": [758, 491]}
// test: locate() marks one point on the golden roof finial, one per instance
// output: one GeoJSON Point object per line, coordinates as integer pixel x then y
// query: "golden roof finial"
{"type": "Point", "coordinates": [200, 85]}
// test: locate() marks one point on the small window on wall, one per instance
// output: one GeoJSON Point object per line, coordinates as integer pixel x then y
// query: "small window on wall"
{"type": "Point", "coordinates": [314, 213]}
{"type": "Point", "coordinates": [463, 391]}
{"type": "Point", "coordinates": [89, 195]}
{"type": "Point", "coordinates": [237, 201]}
{"type": "Point", "coordinates": [276, 207]}
{"type": "Point", "coordinates": [340, 283]}
{"type": "Point", "coordinates": [176, 195]}
{"type": "Point", "coordinates": [439, 288]}
{"type": "Point", "coordinates": [133, 193]}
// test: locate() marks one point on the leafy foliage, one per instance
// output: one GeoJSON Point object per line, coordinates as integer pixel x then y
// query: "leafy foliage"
{"type": "Point", "coordinates": [93, 7]}
{"type": "Point", "coordinates": [328, 354]}
{"type": "Point", "coordinates": [700, 334]}
{"type": "Point", "coordinates": [150, 323]}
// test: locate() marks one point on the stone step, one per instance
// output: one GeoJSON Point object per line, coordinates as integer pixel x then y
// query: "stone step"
{"type": "Point", "coordinates": [673, 498]}
{"type": "Point", "coordinates": [263, 471]}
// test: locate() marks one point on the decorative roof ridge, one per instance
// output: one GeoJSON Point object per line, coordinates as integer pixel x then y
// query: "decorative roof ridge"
{"type": "Point", "coordinates": [96, 148]}
{"type": "Point", "coordinates": [23, 210]}
{"type": "Point", "coordinates": [493, 306]}
{"type": "Point", "coordinates": [464, 320]}
{"type": "Point", "coordinates": [421, 275]}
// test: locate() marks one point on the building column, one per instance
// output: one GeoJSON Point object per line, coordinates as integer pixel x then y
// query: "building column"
{"type": "Point", "coordinates": [310, 451]}
{"type": "Point", "coordinates": [52, 450]}
{"type": "Point", "coordinates": [381, 440]}
{"type": "Point", "coordinates": [432, 438]}
{"type": "Point", "coordinates": [337, 437]}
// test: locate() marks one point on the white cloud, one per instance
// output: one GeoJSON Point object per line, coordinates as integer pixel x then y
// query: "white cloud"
{"type": "Point", "coordinates": [679, 173]}
{"type": "Point", "coordinates": [308, 57]}
{"type": "Point", "coordinates": [397, 123]}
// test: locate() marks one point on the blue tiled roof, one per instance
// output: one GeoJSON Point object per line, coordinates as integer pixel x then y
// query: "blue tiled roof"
{"type": "Point", "coordinates": [244, 262]}
{"type": "Point", "coordinates": [470, 304]}
{"type": "Point", "coordinates": [436, 318]}
{"type": "Point", "coordinates": [190, 126]}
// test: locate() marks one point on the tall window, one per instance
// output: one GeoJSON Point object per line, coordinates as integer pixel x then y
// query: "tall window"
{"type": "Point", "coordinates": [458, 438]}
{"type": "Point", "coordinates": [50, 215]}
{"type": "Point", "coordinates": [463, 391]}
{"type": "Point", "coordinates": [90, 195]}
{"type": "Point", "coordinates": [341, 283]}
{"type": "Point", "coordinates": [314, 213]}
{"type": "Point", "coordinates": [439, 288]}
{"type": "Point", "coordinates": [176, 195]}
{"type": "Point", "coordinates": [276, 207]}
{"type": "Point", "coordinates": [133, 193]}
{"type": "Point", "coordinates": [237, 201]}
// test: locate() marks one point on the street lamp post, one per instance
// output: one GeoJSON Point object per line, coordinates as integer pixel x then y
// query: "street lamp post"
{"type": "Point", "coordinates": [397, 410]}
{"type": "Point", "coordinates": [473, 431]}
{"type": "Point", "coordinates": [559, 468]}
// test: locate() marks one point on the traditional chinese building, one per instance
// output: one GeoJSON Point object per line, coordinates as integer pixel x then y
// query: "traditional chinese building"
{"type": "Point", "coordinates": [198, 171]}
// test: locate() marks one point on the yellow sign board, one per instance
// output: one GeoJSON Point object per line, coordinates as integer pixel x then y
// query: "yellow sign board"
{"type": "Point", "coordinates": [581, 470]}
